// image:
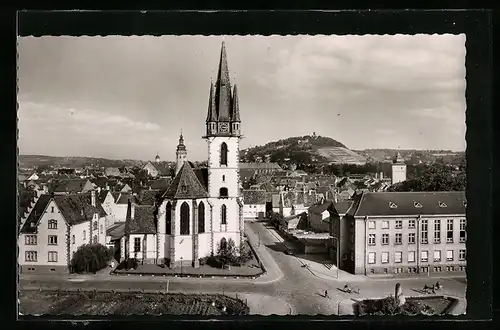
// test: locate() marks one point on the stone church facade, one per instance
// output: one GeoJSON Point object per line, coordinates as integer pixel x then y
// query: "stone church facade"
{"type": "Point", "coordinates": [202, 208]}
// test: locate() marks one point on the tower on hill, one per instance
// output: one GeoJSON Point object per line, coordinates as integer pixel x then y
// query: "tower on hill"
{"type": "Point", "coordinates": [398, 169]}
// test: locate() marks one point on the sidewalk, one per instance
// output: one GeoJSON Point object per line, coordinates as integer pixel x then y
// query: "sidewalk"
{"type": "Point", "coordinates": [261, 304]}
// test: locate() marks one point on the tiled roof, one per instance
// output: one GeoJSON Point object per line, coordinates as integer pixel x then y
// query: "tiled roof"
{"type": "Point", "coordinates": [149, 197]}
{"type": "Point", "coordinates": [260, 166]}
{"type": "Point", "coordinates": [36, 213]}
{"type": "Point", "coordinates": [116, 231]}
{"type": "Point", "coordinates": [100, 182]}
{"type": "Point", "coordinates": [143, 221]}
{"type": "Point", "coordinates": [202, 175]}
{"type": "Point", "coordinates": [125, 198]}
{"type": "Point", "coordinates": [26, 197]}
{"type": "Point", "coordinates": [162, 168]}
{"type": "Point", "coordinates": [343, 206]}
{"type": "Point", "coordinates": [70, 185]}
{"type": "Point", "coordinates": [254, 197]}
{"type": "Point", "coordinates": [115, 196]}
{"type": "Point", "coordinates": [409, 203]}
{"type": "Point", "coordinates": [112, 171]}
{"type": "Point", "coordinates": [102, 195]}
{"type": "Point", "coordinates": [269, 187]}
{"type": "Point", "coordinates": [88, 200]}
{"type": "Point", "coordinates": [299, 198]}
{"type": "Point", "coordinates": [320, 208]}
{"type": "Point", "coordinates": [160, 184]}
{"type": "Point", "coordinates": [75, 208]}
{"type": "Point", "coordinates": [186, 185]}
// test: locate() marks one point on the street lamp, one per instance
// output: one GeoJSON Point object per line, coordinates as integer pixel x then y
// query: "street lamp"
{"type": "Point", "coordinates": [181, 266]}
{"type": "Point", "coordinates": [337, 250]}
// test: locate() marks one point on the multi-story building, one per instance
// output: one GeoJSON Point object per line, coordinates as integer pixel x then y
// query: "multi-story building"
{"type": "Point", "coordinates": [56, 227]}
{"type": "Point", "coordinates": [404, 232]}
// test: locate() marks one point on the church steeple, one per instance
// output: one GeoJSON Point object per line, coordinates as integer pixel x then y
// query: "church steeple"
{"type": "Point", "coordinates": [223, 117]}
{"type": "Point", "coordinates": [181, 154]}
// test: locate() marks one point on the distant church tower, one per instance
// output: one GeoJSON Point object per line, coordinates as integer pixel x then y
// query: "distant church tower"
{"type": "Point", "coordinates": [180, 155]}
{"type": "Point", "coordinates": [223, 133]}
{"type": "Point", "coordinates": [157, 159]}
{"type": "Point", "coordinates": [398, 169]}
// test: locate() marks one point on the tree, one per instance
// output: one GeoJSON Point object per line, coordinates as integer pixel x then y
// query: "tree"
{"type": "Point", "coordinates": [90, 258]}
{"type": "Point", "coordinates": [276, 219]}
{"type": "Point", "coordinates": [227, 253]}
{"type": "Point", "coordinates": [437, 178]}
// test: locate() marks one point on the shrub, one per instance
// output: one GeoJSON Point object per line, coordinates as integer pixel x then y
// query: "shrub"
{"type": "Point", "coordinates": [388, 306]}
{"type": "Point", "coordinates": [203, 261]}
{"type": "Point", "coordinates": [90, 258]}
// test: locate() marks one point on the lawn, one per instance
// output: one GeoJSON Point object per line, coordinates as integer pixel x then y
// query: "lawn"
{"type": "Point", "coordinates": [436, 305]}
{"type": "Point", "coordinates": [107, 303]}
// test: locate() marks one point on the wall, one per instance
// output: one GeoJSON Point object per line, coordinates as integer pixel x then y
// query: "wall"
{"type": "Point", "coordinates": [120, 212]}
{"type": "Point", "coordinates": [216, 171]}
{"type": "Point", "coordinates": [77, 231]}
{"type": "Point", "coordinates": [42, 248]}
{"type": "Point", "coordinates": [398, 173]}
{"type": "Point", "coordinates": [254, 211]}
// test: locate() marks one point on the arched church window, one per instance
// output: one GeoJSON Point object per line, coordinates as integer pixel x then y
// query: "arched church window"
{"type": "Point", "coordinates": [184, 219]}
{"type": "Point", "coordinates": [168, 219]}
{"type": "Point", "coordinates": [201, 218]}
{"type": "Point", "coordinates": [223, 215]}
{"type": "Point", "coordinates": [223, 243]}
{"type": "Point", "coordinates": [223, 154]}
{"type": "Point", "coordinates": [223, 192]}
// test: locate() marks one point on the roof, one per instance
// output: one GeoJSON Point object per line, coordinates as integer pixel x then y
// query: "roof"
{"type": "Point", "coordinates": [125, 198]}
{"type": "Point", "coordinates": [202, 175]}
{"type": "Point", "coordinates": [162, 168]}
{"type": "Point", "coordinates": [320, 208]}
{"type": "Point", "coordinates": [299, 198]}
{"type": "Point", "coordinates": [186, 185]}
{"type": "Point", "coordinates": [70, 185]}
{"type": "Point", "coordinates": [36, 213]}
{"type": "Point", "coordinates": [409, 203]}
{"type": "Point", "coordinates": [88, 199]}
{"type": "Point", "coordinates": [143, 221]}
{"type": "Point", "coordinates": [254, 197]}
{"type": "Point", "coordinates": [260, 166]}
{"type": "Point", "coordinates": [112, 171]}
{"type": "Point", "coordinates": [116, 231]}
{"type": "Point", "coordinates": [102, 195]}
{"type": "Point", "coordinates": [148, 197]}
{"type": "Point", "coordinates": [160, 184]}
{"type": "Point", "coordinates": [343, 206]}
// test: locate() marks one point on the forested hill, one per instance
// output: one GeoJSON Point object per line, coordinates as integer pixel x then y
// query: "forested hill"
{"type": "Point", "coordinates": [34, 161]}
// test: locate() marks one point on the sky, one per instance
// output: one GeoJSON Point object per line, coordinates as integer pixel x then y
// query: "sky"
{"type": "Point", "coordinates": [129, 97]}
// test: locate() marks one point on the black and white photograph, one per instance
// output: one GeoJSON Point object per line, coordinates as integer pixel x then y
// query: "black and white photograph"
{"type": "Point", "coordinates": [242, 175]}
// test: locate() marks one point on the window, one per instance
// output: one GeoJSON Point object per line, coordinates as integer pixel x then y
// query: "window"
{"type": "Point", "coordinates": [371, 257]}
{"type": "Point", "coordinates": [223, 178]}
{"type": "Point", "coordinates": [168, 219]}
{"type": "Point", "coordinates": [52, 240]}
{"type": "Point", "coordinates": [411, 256]}
{"type": "Point", "coordinates": [184, 219]}
{"type": "Point", "coordinates": [52, 209]}
{"type": "Point", "coordinates": [101, 229]}
{"type": "Point", "coordinates": [73, 239]}
{"type": "Point", "coordinates": [201, 218]}
{"type": "Point", "coordinates": [30, 240]}
{"type": "Point", "coordinates": [437, 255]}
{"type": "Point", "coordinates": [411, 224]}
{"type": "Point", "coordinates": [94, 239]}
{"type": "Point", "coordinates": [30, 256]}
{"type": "Point", "coordinates": [437, 231]}
{"type": "Point", "coordinates": [52, 256]}
{"type": "Point", "coordinates": [392, 205]}
{"type": "Point", "coordinates": [137, 244]}
{"type": "Point", "coordinates": [385, 239]}
{"type": "Point", "coordinates": [385, 224]}
{"type": "Point", "coordinates": [398, 257]}
{"type": "Point", "coordinates": [371, 224]}
{"type": "Point", "coordinates": [449, 255]}
{"type": "Point", "coordinates": [449, 231]}
{"type": "Point", "coordinates": [441, 204]}
{"type": "Point", "coordinates": [84, 235]}
{"type": "Point", "coordinates": [399, 239]}
{"type": "Point", "coordinates": [385, 257]}
{"type": "Point", "coordinates": [461, 255]}
{"type": "Point", "coordinates": [424, 232]}
{"type": "Point", "coordinates": [399, 224]}
{"type": "Point", "coordinates": [223, 215]}
{"type": "Point", "coordinates": [223, 154]}
{"type": "Point", "coordinates": [417, 204]}
{"type": "Point", "coordinates": [462, 230]}
{"type": "Point", "coordinates": [52, 224]}
{"type": "Point", "coordinates": [223, 243]}
{"type": "Point", "coordinates": [223, 192]}
{"type": "Point", "coordinates": [371, 239]}
{"type": "Point", "coordinates": [411, 238]}
{"type": "Point", "coordinates": [94, 225]}
{"type": "Point", "coordinates": [424, 256]}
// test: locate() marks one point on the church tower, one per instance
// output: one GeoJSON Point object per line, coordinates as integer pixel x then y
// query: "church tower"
{"type": "Point", "coordinates": [398, 169]}
{"type": "Point", "coordinates": [180, 155]}
{"type": "Point", "coordinates": [223, 133]}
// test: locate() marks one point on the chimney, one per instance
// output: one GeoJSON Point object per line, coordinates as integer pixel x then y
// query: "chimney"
{"type": "Point", "coordinates": [92, 198]}
{"type": "Point", "coordinates": [132, 210]}
{"type": "Point", "coordinates": [376, 176]}
{"type": "Point", "coordinates": [381, 175]}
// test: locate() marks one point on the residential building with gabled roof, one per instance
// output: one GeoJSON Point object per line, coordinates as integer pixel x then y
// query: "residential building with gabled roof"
{"type": "Point", "coordinates": [56, 227]}
{"type": "Point", "coordinates": [254, 204]}
{"type": "Point", "coordinates": [71, 186]}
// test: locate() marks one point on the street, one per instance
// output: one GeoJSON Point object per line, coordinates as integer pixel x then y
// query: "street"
{"type": "Point", "coordinates": [286, 280]}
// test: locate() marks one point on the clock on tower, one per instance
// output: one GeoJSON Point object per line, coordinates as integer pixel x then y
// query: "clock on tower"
{"type": "Point", "coordinates": [224, 127]}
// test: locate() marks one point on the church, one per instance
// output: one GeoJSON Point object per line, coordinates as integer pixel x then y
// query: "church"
{"type": "Point", "coordinates": [202, 208]}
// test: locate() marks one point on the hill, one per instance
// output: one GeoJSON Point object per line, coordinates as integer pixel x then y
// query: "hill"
{"type": "Point", "coordinates": [413, 156]}
{"type": "Point", "coordinates": [34, 161]}
{"type": "Point", "coordinates": [303, 150]}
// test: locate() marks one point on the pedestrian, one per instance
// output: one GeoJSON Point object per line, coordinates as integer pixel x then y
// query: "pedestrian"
{"type": "Point", "coordinates": [326, 293]}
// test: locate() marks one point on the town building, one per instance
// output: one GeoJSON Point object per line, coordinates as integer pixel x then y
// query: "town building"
{"type": "Point", "coordinates": [398, 169]}
{"type": "Point", "coordinates": [157, 169]}
{"type": "Point", "coordinates": [202, 208]}
{"type": "Point", "coordinates": [254, 204]}
{"type": "Point", "coordinates": [403, 232]}
{"type": "Point", "coordinates": [71, 186]}
{"type": "Point", "coordinates": [56, 227]}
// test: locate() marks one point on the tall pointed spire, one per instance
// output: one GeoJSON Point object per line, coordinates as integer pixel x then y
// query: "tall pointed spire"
{"type": "Point", "coordinates": [223, 87]}
{"type": "Point", "coordinates": [235, 115]}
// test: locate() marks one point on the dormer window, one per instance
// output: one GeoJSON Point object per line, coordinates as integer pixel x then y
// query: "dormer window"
{"type": "Point", "coordinates": [392, 205]}
{"type": "Point", "coordinates": [465, 203]}
{"type": "Point", "coordinates": [417, 204]}
{"type": "Point", "coordinates": [32, 225]}
{"type": "Point", "coordinates": [441, 204]}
